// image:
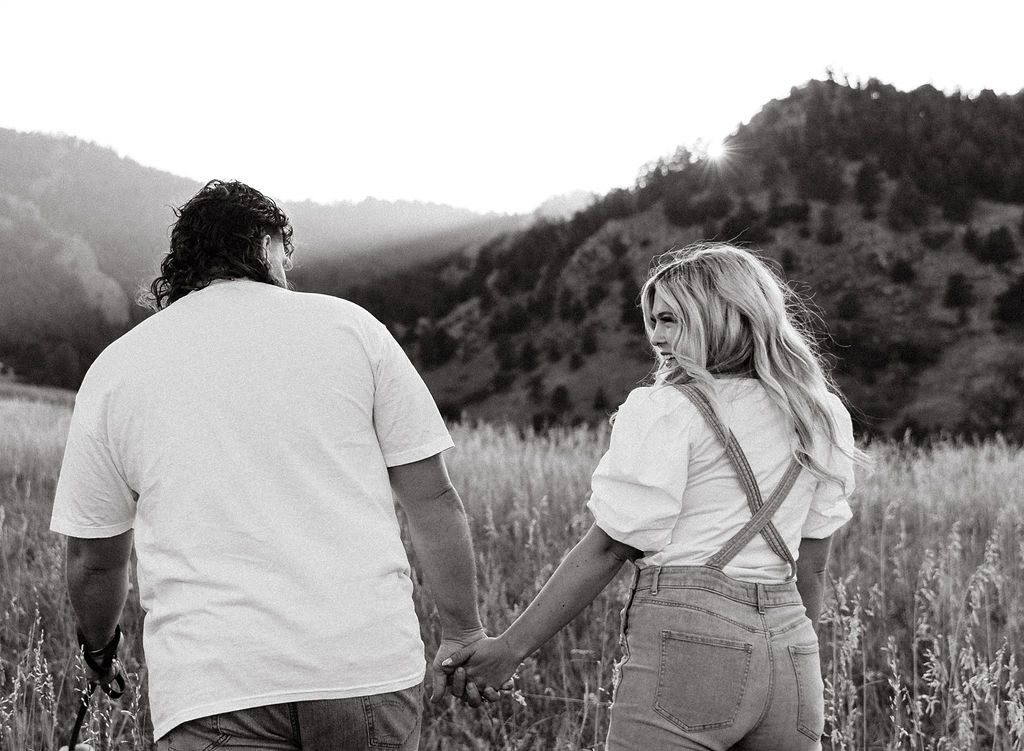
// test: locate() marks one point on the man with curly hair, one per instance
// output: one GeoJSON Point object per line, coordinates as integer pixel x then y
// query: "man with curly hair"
{"type": "Point", "coordinates": [249, 441]}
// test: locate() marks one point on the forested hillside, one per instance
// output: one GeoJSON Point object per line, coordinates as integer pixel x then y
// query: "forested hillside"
{"type": "Point", "coordinates": [900, 214]}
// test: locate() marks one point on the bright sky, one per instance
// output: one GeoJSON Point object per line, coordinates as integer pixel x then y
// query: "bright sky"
{"type": "Point", "coordinates": [489, 106]}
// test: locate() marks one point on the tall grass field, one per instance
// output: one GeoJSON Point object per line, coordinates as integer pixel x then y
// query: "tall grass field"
{"type": "Point", "coordinates": [922, 638]}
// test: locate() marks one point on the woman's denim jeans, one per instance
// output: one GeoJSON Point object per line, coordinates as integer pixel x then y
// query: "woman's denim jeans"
{"type": "Point", "coordinates": [711, 662]}
{"type": "Point", "coordinates": [382, 722]}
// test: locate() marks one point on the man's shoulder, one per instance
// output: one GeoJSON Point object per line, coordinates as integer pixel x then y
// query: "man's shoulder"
{"type": "Point", "coordinates": [329, 302]}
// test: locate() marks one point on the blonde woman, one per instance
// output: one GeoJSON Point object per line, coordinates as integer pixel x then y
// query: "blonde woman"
{"type": "Point", "coordinates": [724, 482]}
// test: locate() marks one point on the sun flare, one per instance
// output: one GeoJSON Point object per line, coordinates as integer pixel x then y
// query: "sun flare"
{"type": "Point", "coordinates": [716, 149]}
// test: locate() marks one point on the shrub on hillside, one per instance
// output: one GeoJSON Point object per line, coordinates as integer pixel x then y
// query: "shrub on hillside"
{"type": "Point", "coordinates": [957, 203]}
{"type": "Point", "coordinates": [821, 178]}
{"type": "Point", "coordinates": [998, 247]}
{"type": "Point", "coordinates": [629, 301]}
{"type": "Point", "coordinates": [971, 240]}
{"type": "Point", "coordinates": [437, 347]}
{"type": "Point", "coordinates": [502, 380]}
{"type": "Point", "coordinates": [959, 291]}
{"type": "Point", "coordinates": [535, 389]}
{"type": "Point", "coordinates": [683, 211]}
{"type": "Point", "coordinates": [746, 225]}
{"type": "Point", "coordinates": [908, 207]}
{"type": "Point", "coordinates": [867, 187]}
{"type": "Point", "coordinates": [569, 308]}
{"type": "Point", "coordinates": [528, 356]}
{"type": "Point", "coordinates": [505, 353]}
{"type": "Point", "coordinates": [789, 261]}
{"type": "Point", "coordinates": [508, 319]}
{"type": "Point", "coordinates": [828, 227]}
{"type": "Point", "coordinates": [1010, 303]}
{"type": "Point", "coordinates": [902, 271]}
{"type": "Point", "coordinates": [849, 306]}
{"type": "Point", "coordinates": [618, 247]}
{"type": "Point", "coordinates": [784, 213]}
{"type": "Point", "coordinates": [560, 399]}
{"type": "Point", "coordinates": [934, 239]}
{"type": "Point", "coordinates": [959, 295]}
{"type": "Point", "coordinates": [596, 292]}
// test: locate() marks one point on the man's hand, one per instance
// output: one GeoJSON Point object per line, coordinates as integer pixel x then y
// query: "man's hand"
{"type": "Point", "coordinates": [102, 668]}
{"type": "Point", "coordinates": [449, 645]}
{"type": "Point", "coordinates": [486, 664]}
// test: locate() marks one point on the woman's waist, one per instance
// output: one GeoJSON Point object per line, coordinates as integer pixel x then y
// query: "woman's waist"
{"type": "Point", "coordinates": [756, 563]}
{"type": "Point", "coordinates": [687, 581]}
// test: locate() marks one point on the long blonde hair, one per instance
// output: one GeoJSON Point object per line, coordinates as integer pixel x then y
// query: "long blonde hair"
{"type": "Point", "coordinates": [737, 317]}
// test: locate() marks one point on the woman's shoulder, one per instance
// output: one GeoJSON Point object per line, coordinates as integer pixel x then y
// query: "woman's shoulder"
{"type": "Point", "coordinates": [654, 415]}
{"type": "Point", "coordinates": [657, 402]}
{"type": "Point", "coordinates": [839, 413]}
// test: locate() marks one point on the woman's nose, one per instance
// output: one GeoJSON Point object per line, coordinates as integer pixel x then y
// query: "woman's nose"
{"type": "Point", "coordinates": [657, 335]}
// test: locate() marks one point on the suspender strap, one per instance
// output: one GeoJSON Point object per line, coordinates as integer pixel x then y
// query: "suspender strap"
{"type": "Point", "coordinates": [740, 464]}
{"type": "Point", "coordinates": [760, 523]}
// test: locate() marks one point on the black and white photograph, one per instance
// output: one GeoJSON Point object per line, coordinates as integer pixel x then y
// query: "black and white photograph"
{"type": "Point", "coordinates": [548, 376]}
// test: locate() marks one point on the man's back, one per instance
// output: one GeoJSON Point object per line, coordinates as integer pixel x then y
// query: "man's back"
{"type": "Point", "coordinates": [255, 426]}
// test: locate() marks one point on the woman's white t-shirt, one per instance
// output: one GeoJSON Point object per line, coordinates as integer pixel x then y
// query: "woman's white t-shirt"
{"type": "Point", "coordinates": [666, 487]}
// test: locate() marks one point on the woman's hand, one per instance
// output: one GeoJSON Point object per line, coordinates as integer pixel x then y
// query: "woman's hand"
{"type": "Point", "coordinates": [488, 664]}
{"type": "Point", "coordinates": [449, 646]}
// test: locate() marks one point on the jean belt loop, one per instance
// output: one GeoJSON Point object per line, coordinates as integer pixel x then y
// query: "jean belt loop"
{"type": "Point", "coordinates": [654, 580]}
{"type": "Point", "coordinates": [634, 584]}
{"type": "Point", "coordinates": [761, 595]}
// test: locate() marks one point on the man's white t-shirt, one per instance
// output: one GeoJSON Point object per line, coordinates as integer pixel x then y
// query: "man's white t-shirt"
{"type": "Point", "coordinates": [245, 433]}
{"type": "Point", "coordinates": [666, 487]}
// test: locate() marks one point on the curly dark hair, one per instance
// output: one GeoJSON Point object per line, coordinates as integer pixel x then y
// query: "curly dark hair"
{"type": "Point", "coordinates": [218, 235]}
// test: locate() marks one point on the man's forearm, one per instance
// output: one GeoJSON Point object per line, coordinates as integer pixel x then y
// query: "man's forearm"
{"type": "Point", "coordinates": [441, 538]}
{"type": "Point", "coordinates": [97, 574]}
{"type": "Point", "coordinates": [97, 596]}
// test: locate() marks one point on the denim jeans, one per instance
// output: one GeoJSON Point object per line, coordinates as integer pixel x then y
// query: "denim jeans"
{"type": "Point", "coordinates": [714, 663]}
{"type": "Point", "coordinates": [382, 722]}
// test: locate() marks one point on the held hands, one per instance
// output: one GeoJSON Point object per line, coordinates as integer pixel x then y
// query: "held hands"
{"type": "Point", "coordinates": [450, 644]}
{"type": "Point", "coordinates": [478, 669]}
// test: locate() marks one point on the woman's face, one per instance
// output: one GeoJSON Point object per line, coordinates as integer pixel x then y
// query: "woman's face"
{"type": "Point", "coordinates": [667, 328]}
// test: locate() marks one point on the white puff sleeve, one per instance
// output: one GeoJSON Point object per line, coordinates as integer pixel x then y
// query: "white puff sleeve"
{"type": "Point", "coordinates": [638, 485]}
{"type": "Point", "coordinates": [830, 508]}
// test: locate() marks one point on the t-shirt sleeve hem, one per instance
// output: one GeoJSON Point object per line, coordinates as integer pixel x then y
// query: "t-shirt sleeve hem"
{"type": "Point", "coordinates": [422, 451]}
{"type": "Point", "coordinates": [643, 539]}
{"type": "Point", "coordinates": [84, 532]}
{"type": "Point", "coordinates": [825, 525]}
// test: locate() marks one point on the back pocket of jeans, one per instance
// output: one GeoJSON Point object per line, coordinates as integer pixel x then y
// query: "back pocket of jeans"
{"type": "Point", "coordinates": [810, 713]}
{"type": "Point", "coordinates": [392, 718]}
{"type": "Point", "coordinates": [701, 680]}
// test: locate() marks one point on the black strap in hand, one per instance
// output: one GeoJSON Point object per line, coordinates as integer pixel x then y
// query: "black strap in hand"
{"type": "Point", "coordinates": [100, 661]}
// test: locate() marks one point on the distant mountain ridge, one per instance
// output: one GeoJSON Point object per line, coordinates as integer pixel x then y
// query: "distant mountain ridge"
{"type": "Point", "coordinates": [82, 230]}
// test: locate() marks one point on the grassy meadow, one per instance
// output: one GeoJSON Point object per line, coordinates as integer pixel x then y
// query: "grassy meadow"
{"type": "Point", "coordinates": [923, 637]}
